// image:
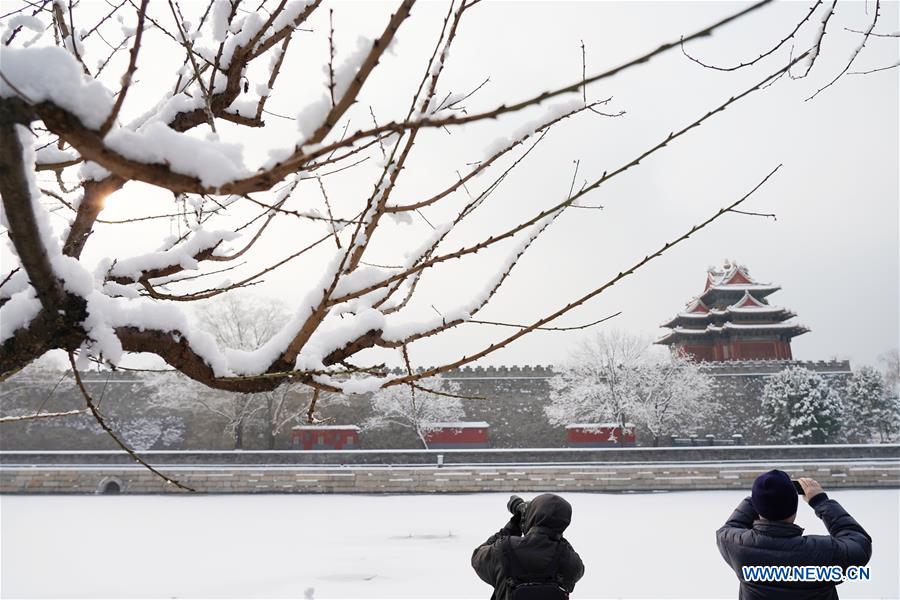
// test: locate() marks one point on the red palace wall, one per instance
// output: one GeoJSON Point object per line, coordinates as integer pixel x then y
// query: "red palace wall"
{"type": "Point", "coordinates": [325, 439]}
{"type": "Point", "coordinates": [457, 437]}
{"type": "Point", "coordinates": [701, 352]}
{"type": "Point", "coordinates": [601, 435]}
{"type": "Point", "coordinates": [740, 350]}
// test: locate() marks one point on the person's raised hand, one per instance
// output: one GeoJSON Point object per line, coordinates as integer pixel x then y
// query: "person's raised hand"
{"type": "Point", "coordinates": [811, 488]}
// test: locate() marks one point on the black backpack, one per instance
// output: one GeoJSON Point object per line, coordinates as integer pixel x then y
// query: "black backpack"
{"type": "Point", "coordinates": [532, 586]}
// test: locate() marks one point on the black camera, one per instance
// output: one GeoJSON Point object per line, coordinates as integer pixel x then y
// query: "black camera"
{"type": "Point", "coordinates": [517, 506]}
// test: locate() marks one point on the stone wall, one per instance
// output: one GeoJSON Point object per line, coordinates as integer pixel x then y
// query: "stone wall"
{"type": "Point", "coordinates": [470, 479]}
{"type": "Point", "coordinates": [511, 399]}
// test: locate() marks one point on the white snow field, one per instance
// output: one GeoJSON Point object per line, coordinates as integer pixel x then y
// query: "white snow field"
{"type": "Point", "coordinates": [411, 546]}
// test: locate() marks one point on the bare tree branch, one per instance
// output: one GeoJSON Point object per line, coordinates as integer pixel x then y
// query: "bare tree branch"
{"type": "Point", "coordinates": [95, 412]}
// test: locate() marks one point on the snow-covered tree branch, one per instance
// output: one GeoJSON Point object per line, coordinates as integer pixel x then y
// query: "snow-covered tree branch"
{"type": "Point", "coordinates": [71, 96]}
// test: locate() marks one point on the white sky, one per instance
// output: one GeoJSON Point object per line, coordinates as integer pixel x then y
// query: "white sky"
{"type": "Point", "coordinates": [834, 246]}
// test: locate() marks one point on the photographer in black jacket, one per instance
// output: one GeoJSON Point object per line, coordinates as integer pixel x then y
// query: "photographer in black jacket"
{"type": "Point", "coordinates": [761, 532]}
{"type": "Point", "coordinates": [529, 558]}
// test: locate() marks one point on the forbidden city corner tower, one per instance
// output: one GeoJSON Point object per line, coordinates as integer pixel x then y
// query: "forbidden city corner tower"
{"type": "Point", "coordinates": [733, 320]}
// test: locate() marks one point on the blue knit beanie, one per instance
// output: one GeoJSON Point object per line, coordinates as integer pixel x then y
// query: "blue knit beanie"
{"type": "Point", "coordinates": [774, 496]}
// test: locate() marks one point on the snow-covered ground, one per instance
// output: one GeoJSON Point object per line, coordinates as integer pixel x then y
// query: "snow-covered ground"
{"type": "Point", "coordinates": [413, 546]}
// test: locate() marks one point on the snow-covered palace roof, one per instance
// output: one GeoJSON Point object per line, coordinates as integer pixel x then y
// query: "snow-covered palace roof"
{"type": "Point", "coordinates": [697, 313]}
{"type": "Point", "coordinates": [731, 301]}
{"type": "Point", "coordinates": [732, 279]}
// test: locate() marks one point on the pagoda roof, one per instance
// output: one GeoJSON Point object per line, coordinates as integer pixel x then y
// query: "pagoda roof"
{"type": "Point", "coordinates": [698, 312]}
{"type": "Point", "coordinates": [730, 279]}
{"type": "Point", "coordinates": [712, 330]}
{"type": "Point", "coordinates": [732, 304]}
{"type": "Point", "coordinates": [730, 273]}
{"type": "Point", "coordinates": [760, 290]}
{"type": "Point", "coordinates": [748, 301]}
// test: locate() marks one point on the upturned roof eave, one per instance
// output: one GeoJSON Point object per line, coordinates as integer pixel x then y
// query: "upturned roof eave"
{"type": "Point", "coordinates": [672, 337]}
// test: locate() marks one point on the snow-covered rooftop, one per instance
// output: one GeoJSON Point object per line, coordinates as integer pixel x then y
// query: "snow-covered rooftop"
{"type": "Point", "coordinates": [742, 287]}
{"type": "Point", "coordinates": [722, 283]}
{"type": "Point", "coordinates": [729, 273]}
{"type": "Point", "coordinates": [733, 309]}
{"type": "Point", "coordinates": [729, 325]}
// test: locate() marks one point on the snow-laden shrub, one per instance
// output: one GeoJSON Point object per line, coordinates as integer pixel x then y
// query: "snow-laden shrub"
{"type": "Point", "coordinates": [799, 406]}
{"type": "Point", "coordinates": [872, 413]}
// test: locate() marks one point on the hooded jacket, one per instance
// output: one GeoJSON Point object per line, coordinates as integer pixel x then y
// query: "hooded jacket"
{"type": "Point", "coordinates": [546, 519]}
{"type": "Point", "coordinates": [746, 540]}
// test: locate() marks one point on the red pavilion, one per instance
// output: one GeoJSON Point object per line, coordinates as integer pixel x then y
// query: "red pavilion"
{"type": "Point", "coordinates": [732, 320]}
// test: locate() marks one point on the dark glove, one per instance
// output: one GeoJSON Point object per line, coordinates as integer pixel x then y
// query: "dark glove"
{"type": "Point", "coordinates": [512, 527]}
{"type": "Point", "coordinates": [517, 507]}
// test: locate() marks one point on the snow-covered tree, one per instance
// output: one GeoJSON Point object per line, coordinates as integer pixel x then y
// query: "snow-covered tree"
{"type": "Point", "coordinates": [246, 323]}
{"type": "Point", "coordinates": [864, 397]}
{"type": "Point", "coordinates": [142, 433]}
{"type": "Point", "coordinates": [888, 410]}
{"type": "Point", "coordinates": [600, 382]}
{"type": "Point", "coordinates": [417, 407]}
{"type": "Point", "coordinates": [872, 410]}
{"type": "Point", "coordinates": [613, 377]}
{"type": "Point", "coordinates": [890, 364]}
{"type": "Point", "coordinates": [172, 390]}
{"type": "Point", "coordinates": [674, 396]}
{"type": "Point", "coordinates": [242, 321]}
{"type": "Point", "coordinates": [800, 406]}
{"type": "Point", "coordinates": [887, 418]}
{"type": "Point", "coordinates": [284, 406]}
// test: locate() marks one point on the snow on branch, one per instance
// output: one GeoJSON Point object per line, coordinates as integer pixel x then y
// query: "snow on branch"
{"type": "Point", "coordinates": [61, 117]}
{"type": "Point", "coordinates": [184, 256]}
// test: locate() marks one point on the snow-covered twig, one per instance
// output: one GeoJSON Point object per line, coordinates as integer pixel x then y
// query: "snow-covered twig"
{"type": "Point", "coordinates": [855, 54]}
{"type": "Point", "coordinates": [813, 53]}
{"type": "Point", "coordinates": [42, 415]}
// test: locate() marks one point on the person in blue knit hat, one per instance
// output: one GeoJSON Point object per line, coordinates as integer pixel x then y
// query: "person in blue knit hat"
{"type": "Point", "coordinates": [761, 533]}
